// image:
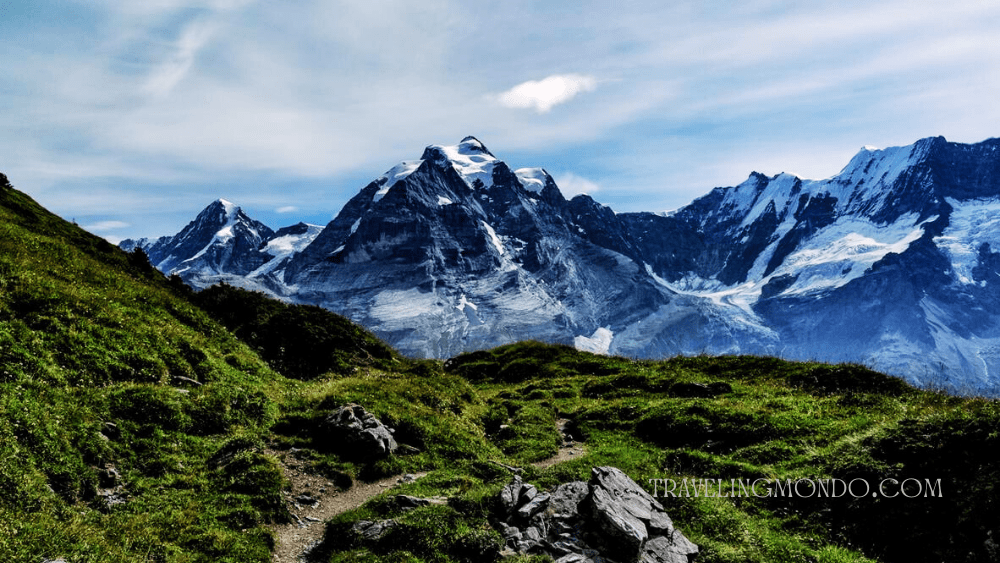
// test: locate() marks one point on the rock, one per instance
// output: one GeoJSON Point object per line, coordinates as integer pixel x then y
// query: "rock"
{"type": "Point", "coordinates": [663, 550]}
{"type": "Point", "coordinates": [681, 543]}
{"type": "Point", "coordinates": [621, 530]}
{"type": "Point", "coordinates": [407, 502]}
{"type": "Point", "coordinates": [700, 389]}
{"type": "Point", "coordinates": [108, 477]}
{"type": "Point", "coordinates": [306, 499]}
{"type": "Point", "coordinates": [356, 430]}
{"type": "Point", "coordinates": [624, 507]}
{"type": "Point", "coordinates": [611, 512]}
{"type": "Point", "coordinates": [533, 534]}
{"type": "Point", "coordinates": [533, 507]}
{"type": "Point", "coordinates": [660, 524]}
{"type": "Point", "coordinates": [510, 494]}
{"type": "Point", "coordinates": [373, 530]}
{"type": "Point", "coordinates": [565, 501]}
{"type": "Point", "coordinates": [113, 497]}
{"type": "Point", "coordinates": [528, 492]}
{"type": "Point", "coordinates": [509, 532]}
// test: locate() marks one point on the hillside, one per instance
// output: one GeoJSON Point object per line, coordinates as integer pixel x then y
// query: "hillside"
{"type": "Point", "coordinates": [142, 422]}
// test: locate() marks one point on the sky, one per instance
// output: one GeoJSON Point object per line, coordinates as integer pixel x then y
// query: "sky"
{"type": "Point", "coordinates": [130, 116]}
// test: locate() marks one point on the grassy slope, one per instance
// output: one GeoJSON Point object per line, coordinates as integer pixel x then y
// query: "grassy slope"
{"type": "Point", "coordinates": [90, 335]}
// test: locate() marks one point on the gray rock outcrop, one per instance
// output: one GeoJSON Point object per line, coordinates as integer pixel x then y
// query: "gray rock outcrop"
{"type": "Point", "coordinates": [611, 519]}
{"type": "Point", "coordinates": [356, 430]}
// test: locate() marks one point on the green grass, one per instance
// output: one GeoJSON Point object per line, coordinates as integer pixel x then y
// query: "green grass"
{"type": "Point", "coordinates": [92, 342]}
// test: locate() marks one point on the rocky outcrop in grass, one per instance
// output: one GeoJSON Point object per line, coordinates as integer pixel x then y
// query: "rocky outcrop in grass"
{"type": "Point", "coordinates": [611, 518]}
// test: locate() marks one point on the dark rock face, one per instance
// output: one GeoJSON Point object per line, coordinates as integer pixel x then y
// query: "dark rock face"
{"type": "Point", "coordinates": [358, 432]}
{"type": "Point", "coordinates": [611, 518]}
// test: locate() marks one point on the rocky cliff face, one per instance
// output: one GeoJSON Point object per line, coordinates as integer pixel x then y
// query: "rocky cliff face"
{"type": "Point", "coordinates": [892, 262]}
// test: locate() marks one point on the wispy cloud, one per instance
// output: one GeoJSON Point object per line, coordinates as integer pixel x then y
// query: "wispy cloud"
{"type": "Point", "coordinates": [170, 72]}
{"type": "Point", "coordinates": [102, 226]}
{"type": "Point", "coordinates": [572, 185]}
{"type": "Point", "coordinates": [286, 209]}
{"type": "Point", "coordinates": [542, 95]}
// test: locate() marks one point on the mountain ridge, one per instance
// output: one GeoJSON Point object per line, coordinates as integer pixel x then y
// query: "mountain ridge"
{"type": "Point", "coordinates": [418, 255]}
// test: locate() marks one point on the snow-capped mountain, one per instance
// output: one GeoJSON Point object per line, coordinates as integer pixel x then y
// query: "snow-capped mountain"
{"type": "Point", "coordinates": [224, 244]}
{"type": "Point", "coordinates": [891, 262]}
{"type": "Point", "coordinates": [888, 263]}
{"type": "Point", "coordinates": [457, 251]}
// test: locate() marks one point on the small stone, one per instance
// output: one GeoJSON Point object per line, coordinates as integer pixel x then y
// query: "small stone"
{"type": "Point", "coordinates": [306, 499]}
{"type": "Point", "coordinates": [407, 502]}
{"type": "Point", "coordinates": [370, 530]}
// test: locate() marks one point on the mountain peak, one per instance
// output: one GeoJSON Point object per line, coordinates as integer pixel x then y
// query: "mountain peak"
{"type": "Point", "coordinates": [227, 206]}
{"type": "Point", "coordinates": [470, 158]}
{"type": "Point", "coordinates": [471, 145]}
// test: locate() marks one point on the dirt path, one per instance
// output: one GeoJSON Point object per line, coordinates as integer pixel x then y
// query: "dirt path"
{"type": "Point", "coordinates": [313, 500]}
{"type": "Point", "coordinates": [569, 449]}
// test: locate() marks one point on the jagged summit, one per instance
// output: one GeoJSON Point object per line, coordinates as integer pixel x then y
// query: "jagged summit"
{"type": "Point", "coordinates": [470, 158]}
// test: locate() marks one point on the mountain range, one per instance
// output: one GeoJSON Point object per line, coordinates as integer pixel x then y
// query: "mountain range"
{"type": "Point", "coordinates": [891, 263]}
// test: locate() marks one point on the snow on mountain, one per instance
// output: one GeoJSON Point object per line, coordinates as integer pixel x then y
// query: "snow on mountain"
{"type": "Point", "coordinates": [893, 262]}
{"type": "Point", "coordinates": [974, 228]}
{"type": "Point", "coordinates": [286, 242]}
{"type": "Point", "coordinates": [470, 158]}
{"type": "Point", "coordinates": [533, 179]}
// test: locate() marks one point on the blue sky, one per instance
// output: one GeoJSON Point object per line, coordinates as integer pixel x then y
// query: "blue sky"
{"type": "Point", "coordinates": [131, 116]}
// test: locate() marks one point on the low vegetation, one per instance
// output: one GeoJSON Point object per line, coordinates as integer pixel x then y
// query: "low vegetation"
{"type": "Point", "coordinates": [140, 421]}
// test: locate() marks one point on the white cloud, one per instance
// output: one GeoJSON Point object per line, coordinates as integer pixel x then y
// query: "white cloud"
{"type": "Point", "coordinates": [106, 226]}
{"type": "Point", "coordinates": [286, 209]}
{"type": "Point", "coordinates": [168, 74]}
{"type": "Point", "coordinates": [572, 185]}
{"type": "Point", "coordinates": [542, 95]}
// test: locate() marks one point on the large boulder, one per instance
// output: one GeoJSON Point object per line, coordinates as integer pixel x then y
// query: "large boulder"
{"type": "Point", "coordinates": [610, 518]}
{"type": "Point", "coordinates": [356, 431]}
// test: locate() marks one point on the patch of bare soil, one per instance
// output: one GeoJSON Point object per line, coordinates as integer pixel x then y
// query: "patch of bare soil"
{"type": "Point", "coordinates": [313, 500]}
{"type": "Point", "coordinates": [569, 449]}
